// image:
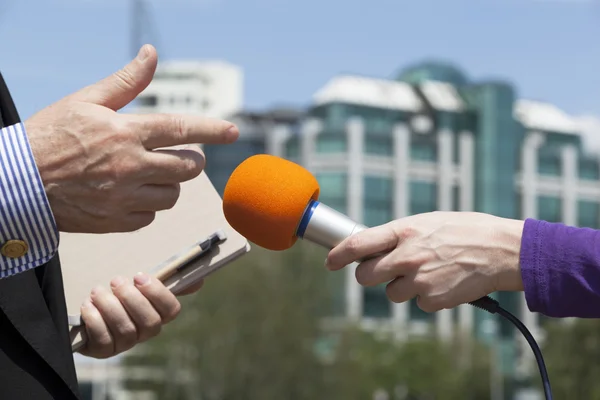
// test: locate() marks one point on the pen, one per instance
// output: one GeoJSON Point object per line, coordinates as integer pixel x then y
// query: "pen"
{"type": "Point", "coordinates": [179, 262]}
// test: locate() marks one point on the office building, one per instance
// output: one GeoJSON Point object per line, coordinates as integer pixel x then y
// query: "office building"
{"type": "Point", "coordinates": [428, 140]}
{"type": "Point", "coordinates": [208, 88]}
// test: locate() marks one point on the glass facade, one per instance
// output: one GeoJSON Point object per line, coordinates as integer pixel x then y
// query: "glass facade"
{"type": "Point", "coordinates": [378, 210]}
{"type": "Point", "coordinates": [497, 184]}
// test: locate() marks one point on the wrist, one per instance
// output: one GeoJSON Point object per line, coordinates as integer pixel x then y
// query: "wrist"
{"type": "Point", "coordinates": [508, 234]}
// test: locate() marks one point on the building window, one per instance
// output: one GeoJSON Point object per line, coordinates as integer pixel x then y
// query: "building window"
{"type": "Point", "coordinates": [376, 303]}
{"type": "Point", "coordinates": [588, 214]}
{"type": "Point", "coordinates": [378, 200]}
{"type": "Point", "coordinates": [333, 189]}
{"type": "Point", "coordinates": [423, 197]}
{"type": "Point", "coordinates": [331, 143]}
{"type": "Point", "coordinates": [379, 145]}
{"type": "Point", "coordinates": [589, 169]}
{"type": "Point", "coordinates": [550, 208]}
{"type": "Point", "coordinates": [378, 210]}
{"type": "Point", "coordinates": [456, 192]}
{"type": "Point", "coordinates": [292, 147]}
{"type": "Point", "coordinates": [423, 147]}
{"type": "Point", "coordinates": [549, 161]}
{"type": "Point", "coordinates": [148, 101]}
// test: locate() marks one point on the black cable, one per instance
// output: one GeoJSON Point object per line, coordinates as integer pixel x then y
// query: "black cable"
{"type": "Point", "coordinates": [492, 306]}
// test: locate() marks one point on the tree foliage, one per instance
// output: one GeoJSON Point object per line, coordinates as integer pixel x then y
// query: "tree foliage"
{"type": "Point", "coordinates": [572, 354]}
{"type": "Point", "coordinates": [255, 332]}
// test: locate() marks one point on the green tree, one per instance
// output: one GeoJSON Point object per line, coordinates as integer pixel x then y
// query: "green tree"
{"type": "Point", "coordinates": [572, 355]}
{"type": "Point", "coordinates": [420, 368]}
{"type": "Point", "coordinates": [250, 333]}
{"type": "Point", "coordinates": [256, 332]}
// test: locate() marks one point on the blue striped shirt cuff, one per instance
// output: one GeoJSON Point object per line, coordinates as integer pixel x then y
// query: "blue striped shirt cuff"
{"type": "Point", "coordinates": [28, 233]}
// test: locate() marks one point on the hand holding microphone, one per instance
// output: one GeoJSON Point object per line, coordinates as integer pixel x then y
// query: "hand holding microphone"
{"type": "Point", "coordinates": [443, 258]}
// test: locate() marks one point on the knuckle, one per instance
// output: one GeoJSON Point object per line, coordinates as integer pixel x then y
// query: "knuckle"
{"type": "Point", "coordinates": [146, 219]}
{"type": "Point", "coordinates": [127, 335]}
{"type": "Point", "coordinates": [353, 245]}
{"type": "Point", "coordinates": [422, 284]}
{"type": "Point", "coordinates": [394, 295]}
{"type": "Point", "coordinates": [406, 233]}
{"type": "Point", "coordinates": [193, 166]}
{"type": "Point", "coordinates": [360, 275]}
{"type": "Point", "coordinates": [178, 125]}
{"type": "Point", "coordinates": [173, 196]}
{"type": "Point", "coordinates": [101, 346]}
{"type": "Point", "coordinates": [151, 327]}
{"type": "Point", "coordinates": [173, 311]}
{"type": "Point", "coordinates": [427, 304]}
{"type": "Point", "coordinates": [125, 78]}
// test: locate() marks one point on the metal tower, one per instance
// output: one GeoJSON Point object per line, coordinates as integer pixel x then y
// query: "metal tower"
{"type": "Point", "coordinates": [143, 27]}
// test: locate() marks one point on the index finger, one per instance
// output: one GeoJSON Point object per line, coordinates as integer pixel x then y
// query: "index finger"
{"type": "Point", "coordinates": [380, 239]}
{"type": "Point", "coordinates": [166, 130]}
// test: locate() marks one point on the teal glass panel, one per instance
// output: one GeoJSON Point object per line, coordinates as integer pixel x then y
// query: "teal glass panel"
{"type": "Point", "coordinates": [378, 201]}
{"type": "Point", "coordinates": [512, 302]}
{"type": "Point", "coordinates": [423, 147]}
{"type": "Point", "coordinates": [423, 197]}
{"type": "Point", "coordinates": [456, 198]}
{"type": "Point", "coordinates": [589, 169]}
{"type": "Point", "coordinates": [376, 303]}
{"type": "Point", "coordinates": [588, 214]}
{"type": "Point", "coordinates": [331, 143]}
{"type": "Point", "coordinates": [378, 210]}
{"type": "Point", "coordinates": [334, 193]}
{"type": "Point", "coordinates": [333, 189]}
{"type": "Point", "coordinates": [380, 145]}
{"type": "Point", "coordinates": [549, 208]}
{"type": "Point", "coordinates": [416, 314]}
{"type": "Point", "coordinates": [549, 161]}
{"type": "Point", "coordinates": [292, 147]}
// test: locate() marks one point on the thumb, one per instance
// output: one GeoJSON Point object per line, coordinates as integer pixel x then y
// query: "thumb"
{"type": "Point", "coordinates": [123, 86]}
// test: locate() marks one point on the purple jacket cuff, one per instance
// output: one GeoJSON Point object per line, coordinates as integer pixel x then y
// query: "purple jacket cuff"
{"type": "Point", "coordinates": [534, 283]}
{"type": "Point", "coordinates": [560, 268]}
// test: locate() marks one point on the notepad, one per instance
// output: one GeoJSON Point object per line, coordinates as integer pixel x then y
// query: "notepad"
{"type": "Point", "coordinates": [89, 260]}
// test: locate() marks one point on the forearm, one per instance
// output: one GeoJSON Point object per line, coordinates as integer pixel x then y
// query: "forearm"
{"type": "Point", "coordinates": [28, 234]}
{"type": "Point", "coordinates": [560, 267]}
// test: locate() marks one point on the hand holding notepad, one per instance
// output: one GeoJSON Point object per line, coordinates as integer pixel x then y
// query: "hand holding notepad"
{"type": "Point", "coordinates": [181, 247]}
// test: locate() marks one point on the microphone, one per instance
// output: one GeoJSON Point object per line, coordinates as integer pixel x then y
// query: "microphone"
{"type": "Point", "coordinates": [272, 202]}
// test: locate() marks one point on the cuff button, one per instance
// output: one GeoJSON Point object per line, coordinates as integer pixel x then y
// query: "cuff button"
{"type": "Point", "coordinates": [14, 249]}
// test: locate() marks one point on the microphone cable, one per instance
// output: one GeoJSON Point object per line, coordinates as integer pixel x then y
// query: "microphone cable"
{"type": "Point", "coordinates": [493, 307]}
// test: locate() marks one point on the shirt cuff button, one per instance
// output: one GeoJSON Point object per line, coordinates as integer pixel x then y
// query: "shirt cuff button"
{"type": "Point", "coordinates": [14, 249]}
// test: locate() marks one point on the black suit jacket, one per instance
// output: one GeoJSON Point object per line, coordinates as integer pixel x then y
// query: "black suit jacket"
{"type": "Point", "coordinates": [35, 351]}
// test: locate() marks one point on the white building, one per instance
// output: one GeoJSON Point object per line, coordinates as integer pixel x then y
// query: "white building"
{"type": "Point", "coordinates": [210, 88]}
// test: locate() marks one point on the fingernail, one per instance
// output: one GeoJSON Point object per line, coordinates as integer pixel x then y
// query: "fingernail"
{"type": "Point", "coordinates": [143, 53]}
{"type": "Point", "coordinates": [116, 282]}
{"type": "Point", "coordinates": [141, 279]}
{"type": "Point", "coordinates": [87, 304]}
{"type": "Point", "coordinates": [96, 290]}
{"type": "Point", "coordinates": [327, 263]}
{"type": "Point", "coordinates": [233, 133]}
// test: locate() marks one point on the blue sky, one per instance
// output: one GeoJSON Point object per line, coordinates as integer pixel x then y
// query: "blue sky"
{"type": "Point", "coordinates": [289, 49]}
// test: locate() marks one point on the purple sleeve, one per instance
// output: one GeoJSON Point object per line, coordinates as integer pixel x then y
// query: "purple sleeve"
{"type": "Point", "coordinates": [560, 267]}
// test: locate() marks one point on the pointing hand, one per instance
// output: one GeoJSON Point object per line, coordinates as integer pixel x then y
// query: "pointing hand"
{"type": "Point", "coordinates": [109, 172]}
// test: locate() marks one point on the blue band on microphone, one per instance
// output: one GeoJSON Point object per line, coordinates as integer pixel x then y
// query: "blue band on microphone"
{"type": "Point", "coordinates": [306, 218]}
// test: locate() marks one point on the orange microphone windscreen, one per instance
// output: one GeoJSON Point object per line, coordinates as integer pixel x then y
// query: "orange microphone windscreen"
{"type": "Point", "coordinates": [265, 198]}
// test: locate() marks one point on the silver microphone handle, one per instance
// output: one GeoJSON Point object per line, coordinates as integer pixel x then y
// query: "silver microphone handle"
{"type": "Point", "coordinates": [328, 227]}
